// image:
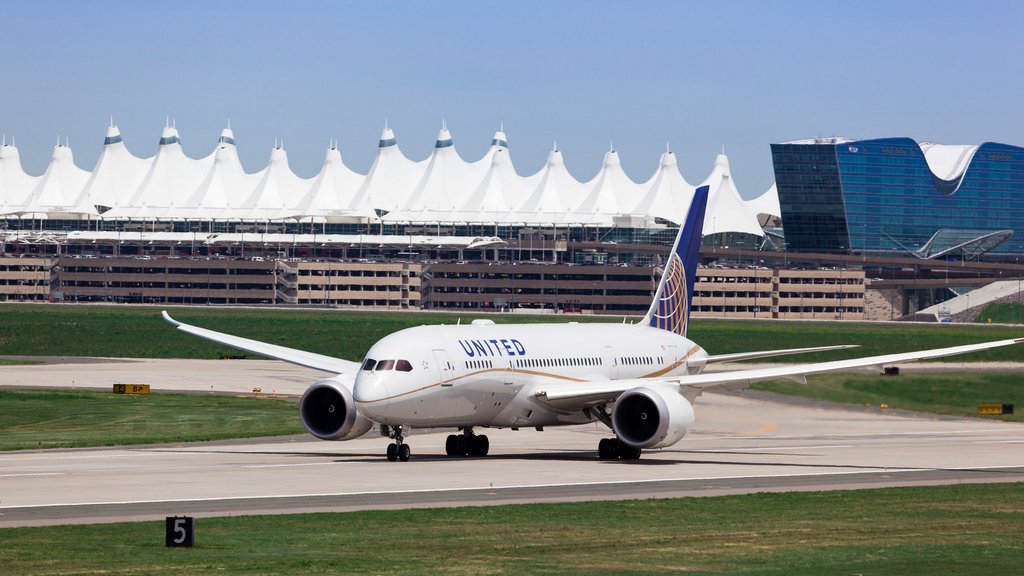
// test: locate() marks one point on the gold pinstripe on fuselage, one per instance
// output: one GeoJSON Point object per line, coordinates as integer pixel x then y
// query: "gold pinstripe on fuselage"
{"type": "Point", "coordinates": [660, 372]}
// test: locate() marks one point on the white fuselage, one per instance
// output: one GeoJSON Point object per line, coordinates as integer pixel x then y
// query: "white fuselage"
{"type": "Point", "coordinates": [485, 374]}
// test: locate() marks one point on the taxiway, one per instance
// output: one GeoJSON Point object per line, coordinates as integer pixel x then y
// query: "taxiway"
{"type": "Point", "coordinates": [744, 442]}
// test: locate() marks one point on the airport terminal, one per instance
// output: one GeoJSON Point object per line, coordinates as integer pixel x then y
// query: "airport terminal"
{"type": "Point", "coordinates": [853, 229]}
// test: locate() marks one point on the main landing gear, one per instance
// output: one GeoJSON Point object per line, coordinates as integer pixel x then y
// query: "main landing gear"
{"type": "Point", "coordinates": [398, 450]}
{"type": "Point", "coordinates": [615, 449]}
{"type": "Point", "coordinates": [467, 444]}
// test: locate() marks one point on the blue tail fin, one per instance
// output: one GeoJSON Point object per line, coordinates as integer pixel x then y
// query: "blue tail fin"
{"type": "Point", "coordinates": [671, 307]}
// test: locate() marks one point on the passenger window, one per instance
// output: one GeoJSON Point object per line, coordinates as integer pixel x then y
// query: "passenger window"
{"type": "Point", "coordinates": [369, 363]}
{"type": "Point", "coordinates": [403, 366]}
{"type": "Point", "coordinates": [386, 365]}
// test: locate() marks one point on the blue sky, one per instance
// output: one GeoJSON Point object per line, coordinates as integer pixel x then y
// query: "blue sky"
{"type": "Point", "coordinates": [697, 75]}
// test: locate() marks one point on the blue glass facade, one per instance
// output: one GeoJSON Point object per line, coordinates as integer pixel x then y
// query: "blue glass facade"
{"type": "Point", "coordinates": [881, 195]}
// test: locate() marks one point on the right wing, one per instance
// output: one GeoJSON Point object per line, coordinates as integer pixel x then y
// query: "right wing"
{"type": "Point", "coordinates": [578, 395]}
{"type": "Point", "coordinates": [300, 357]}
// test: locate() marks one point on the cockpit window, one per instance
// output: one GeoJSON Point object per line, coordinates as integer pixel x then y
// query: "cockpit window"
{"type": "Point", "coordinates": [403, 366]}
{"type": "Point", "coordinates": [369, 363]}
{"type": "Point", "coordinates": [386, 365]}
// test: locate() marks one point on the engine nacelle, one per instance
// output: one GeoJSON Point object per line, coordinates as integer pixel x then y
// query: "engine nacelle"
{"type": "Point", "coordinates": [652, 416]}
{"type": "Point", "coordinates": [329, 413]}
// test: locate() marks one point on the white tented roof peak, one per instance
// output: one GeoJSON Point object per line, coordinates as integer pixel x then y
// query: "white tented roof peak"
{"type": "Point", "coordinates": [169, 136]}
{"type": "Point", "coordinates": [444, 139]}
{"type": "Point", "coordinates": [9, 151]}
{"type": "Point", "coordinates": [333, 189]}
{"type": "Point", "coordinates": [442, 188]}
{"type": "Point", "coordinates": [226, 139]}
{"type": "Point", "coordinates": [278, 189]}
{"type": "Point", "coordinates": [390, 180]}
{"type": "Point", "coordinates": [222, 190]}
{"type": "Point", "coordinates": [117, 174]}
{"type": "Point", "coordinates": [610, 193]}
{"type": "Point", "coordinates": [333, 154]}
{"type": "Point", "coordinates": [445, 185]}
{"type": "Point", "coordinates": [726, 210]}
{"type": "Point", "coordinates": [611, 159]}
{"type": "Point", "coordinates": [667, 194]}
{"type": "Point", "coordinates": [16, 186]}
{"type": "Point", "coordinates": [60, 186]}
{"type": "Point", "coordinates": [498, 194]}
{"type": "Point", "coordinates": [767, 203]}
{"type": "Point", "coordinates": [169, 183]}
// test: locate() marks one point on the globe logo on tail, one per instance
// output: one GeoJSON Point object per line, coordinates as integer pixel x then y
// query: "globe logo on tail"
{"type": "Point", "coordinates": [670, 312]}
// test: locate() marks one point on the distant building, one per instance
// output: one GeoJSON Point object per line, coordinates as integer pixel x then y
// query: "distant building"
{"type": "Point", "coordinates": [896, 195]}
{"type": "Point", "coordinates": [174, 192]}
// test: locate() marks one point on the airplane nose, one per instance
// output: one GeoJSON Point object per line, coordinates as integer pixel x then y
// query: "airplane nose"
{"type": "Point", "coordinates": [371, 395]}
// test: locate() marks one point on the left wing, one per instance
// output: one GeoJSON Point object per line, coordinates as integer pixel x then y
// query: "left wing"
{"type": "Point", "coordinates": [582, 394]}
{"type": "Point", "coordinates": [300, 357]}
{"type": "Point", "coordinates": [737, 356]}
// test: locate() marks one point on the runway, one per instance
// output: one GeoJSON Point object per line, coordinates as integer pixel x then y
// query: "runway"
{"type": "Point", "coordinates": [742, 443]}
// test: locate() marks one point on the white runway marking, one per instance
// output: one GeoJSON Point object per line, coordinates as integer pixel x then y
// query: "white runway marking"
{"type": "Point", "coordinates": [33, 474]}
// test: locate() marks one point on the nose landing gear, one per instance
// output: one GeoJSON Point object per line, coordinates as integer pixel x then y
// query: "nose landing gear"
{"type": "Point", "coordinates": [398, 450]}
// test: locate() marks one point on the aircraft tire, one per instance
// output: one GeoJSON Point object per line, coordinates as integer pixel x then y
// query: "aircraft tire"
{"type": "Point", "coordinates": [609, 448]}
{"type": "Point", "coordinates": [392, 452]}
{"type": "Point", "coordinates": [627, 452]}
{"type": "Point", "coordinates": [450, 445]}
{"type": "Point", "coordinates": [477, 445]}
{"type": "Point", "coordinates": [404, 452]}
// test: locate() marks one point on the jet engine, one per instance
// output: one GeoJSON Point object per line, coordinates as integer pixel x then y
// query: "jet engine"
{"type": "Point", "coordinates": [329, 413]}
{"type": "Point", "coordinates": [652, 416]}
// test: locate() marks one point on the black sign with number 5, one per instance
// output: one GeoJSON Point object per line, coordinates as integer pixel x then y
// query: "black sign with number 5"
{"type": "Point", "coordinates": [179, 532]}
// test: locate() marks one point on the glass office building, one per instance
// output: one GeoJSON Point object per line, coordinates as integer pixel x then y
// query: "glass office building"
{"type": "Point", "coordinates": [896, 195]}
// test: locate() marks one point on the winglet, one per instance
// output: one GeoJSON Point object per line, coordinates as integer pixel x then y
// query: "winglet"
{"type": "Point", "coordinates": [168, 318]}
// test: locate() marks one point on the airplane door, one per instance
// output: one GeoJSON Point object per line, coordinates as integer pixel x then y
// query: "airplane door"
{"type": "Point", "coordinates": [510, 373]}
{"type": "Point", "coordinates": [613, 363]}
{"type": "Point", "coordinates": [444, 367]}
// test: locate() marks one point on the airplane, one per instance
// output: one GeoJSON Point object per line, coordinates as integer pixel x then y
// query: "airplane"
{"type": "Point", "coordinates": [640, 380]}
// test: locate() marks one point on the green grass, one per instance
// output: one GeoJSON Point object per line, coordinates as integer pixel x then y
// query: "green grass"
{"type": "Point", "coordinates": [874, 338]}
{"type": "Point", "coordinates": [953, 393]}
{"type": "Point", "coordinates": [46, 419]}
{"type": "Point", "coordinates": [12, 362]}
{"type": "Point", "coordinates": [140, 332]}
{"type": "Point", "coordinates": [965, 529]}
{"type": "Point", "coordinates": [1001, 314]}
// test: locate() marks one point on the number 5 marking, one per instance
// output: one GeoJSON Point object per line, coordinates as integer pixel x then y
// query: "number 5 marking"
{"type": "Point", "coordinates": [179, 528]}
